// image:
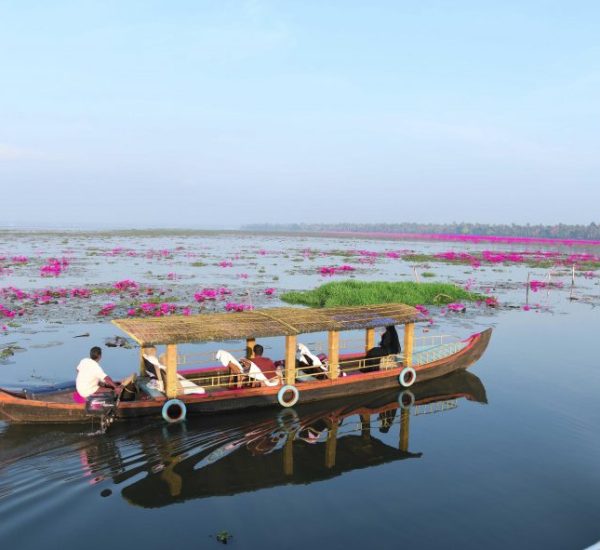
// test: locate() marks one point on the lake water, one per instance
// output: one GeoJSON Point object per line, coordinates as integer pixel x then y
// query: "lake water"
{"type": "Point", "coordinates": [506, 455]}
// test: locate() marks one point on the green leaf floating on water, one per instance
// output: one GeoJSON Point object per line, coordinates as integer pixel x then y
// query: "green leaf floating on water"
{"type": "Point", "coordinates": [223, 537]}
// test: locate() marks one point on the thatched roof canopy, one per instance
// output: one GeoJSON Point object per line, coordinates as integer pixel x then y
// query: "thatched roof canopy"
{"type": "Point", "coordinates": [260, 323]}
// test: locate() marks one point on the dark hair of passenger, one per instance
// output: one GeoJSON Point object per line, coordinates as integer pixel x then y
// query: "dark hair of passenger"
{"type": "Point", "coordinates": [95, 353]}
{"type": "Point", "coordinates": [258, 349]}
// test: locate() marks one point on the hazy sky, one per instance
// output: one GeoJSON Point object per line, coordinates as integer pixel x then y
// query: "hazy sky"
{"type": "Point", "coordinates": [197, 113]}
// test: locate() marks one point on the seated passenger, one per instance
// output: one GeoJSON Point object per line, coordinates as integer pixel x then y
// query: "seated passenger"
{"type": "Point", "coordinates": [262, 369]}
{"type": "Point", "coordinates": [185, 386]}
{"type": "Point", "coordinates": [236, 371]}
{"type": "Point", "coordinates": [389, 344]}
{"type": "Point", "coordinates": [309, 364]}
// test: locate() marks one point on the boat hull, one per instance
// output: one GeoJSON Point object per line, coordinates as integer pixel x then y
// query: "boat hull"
{"type": "Point", "coordinates": [15, 408]}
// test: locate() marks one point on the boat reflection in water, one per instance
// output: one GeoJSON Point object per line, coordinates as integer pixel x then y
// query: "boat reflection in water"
{"type": "Point", "coordinates": [159, 464]}
{"type": "Point", "coordinates": [236, 454]}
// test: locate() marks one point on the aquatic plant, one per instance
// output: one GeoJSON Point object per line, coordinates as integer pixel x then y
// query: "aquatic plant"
{"type": "Point", "coordinates": [211, 294]}
{"type": "Point", "coordinates": [126, 284]}
{"type": "Point", "coordinates": [269, 291]}
{"type": "Point", "coordinates": [54, 267]}
{"type": "Point", "coordinates": [19, 259]}
{"type": "Point", "coordinates": [231, 306]}
{"type": "Point", "coordinates": [107, 309]}
{"type": "Point", "coordinates": [332, 270]}
{"type": "Point", "coordinates": [350, 293]}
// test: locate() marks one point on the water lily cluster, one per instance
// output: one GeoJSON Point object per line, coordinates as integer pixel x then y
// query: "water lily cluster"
{"type": "Point", "coordinates": [158, 310]}
{"type": "Point", "coordinates": [211, 294]}
{"type": "Point", "coordinates": [125, 285]}
{"type": "Point", "coordinates": [54, 267]}
{"type": "Point", "coordinates": [334, 270]}
{"type": "Point", "coordinates": [535, 285]}
{"type": "Point", "coordinates": [232, 306]}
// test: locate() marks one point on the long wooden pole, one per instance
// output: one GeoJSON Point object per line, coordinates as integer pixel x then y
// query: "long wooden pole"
{"type": "Point", "coordinates": [290, 360]}
{"type": "Point", "coordinates": [404, 423]}
{"type": "Point", "coordinates": [171, 364]}
{"type": "Point", "coordinates": [331, 446]}
{"type": "Point", "coordinates": [369, 339]}
{"type": "Point", "coordinates": [409, 341]}
{"type": "Point", "coordinates": [365, 426]}
{"type": "Point", "coordinates": [250, 343]}
{"type": "Point", "coordinates": [288, 455]}
{"type": "Point", "coordinates": [333, 353]}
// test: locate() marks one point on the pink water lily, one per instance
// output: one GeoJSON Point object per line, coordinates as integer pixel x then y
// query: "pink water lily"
{"type": "Point", "coordinates": [211, 294]}
{"type": "Point", "coordinates": [80, 293]}
{"type": "Point", "coordinates": [456, 307]}
{"type": "Point", "coordinates": [332, 270]}
{"type": "Point", "coordinates": [490, 301]}
{"type": "Point", "coordinates": [269, 291]}
{"type": "Point", "coordinates": [5, 312]}
{"type": "Point", "coordinates": [107, 309]}
{"type": "Point", "coordinates": [126, 284]}
{"type": "Point", "coordinates": [19, 259]}
{"type": "Point", "coordinates": [54, 267]}
{"type": "Point", "coordinates": [231, 306]}
{"type": "Point", "coordinates": [422, 310]}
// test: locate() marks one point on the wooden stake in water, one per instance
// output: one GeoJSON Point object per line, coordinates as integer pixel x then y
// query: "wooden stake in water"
{"type": "Point", "coordinates": [416, 274]}
{"type": "Point", "coordinates": [527, 290]}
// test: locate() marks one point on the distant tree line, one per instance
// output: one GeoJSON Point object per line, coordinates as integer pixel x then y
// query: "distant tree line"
{"type": "Point", "coordinates": [561, 230]}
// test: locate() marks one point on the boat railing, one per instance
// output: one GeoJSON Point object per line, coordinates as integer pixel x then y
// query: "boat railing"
{"type": "Point", "coordinates": [437, 407]}
{"type": "Point", "coordinates": [221, 380]}
{"type": "Point", "coordinates": [428, 349]}
{"type": "Point", "coordinates": [435, 353]}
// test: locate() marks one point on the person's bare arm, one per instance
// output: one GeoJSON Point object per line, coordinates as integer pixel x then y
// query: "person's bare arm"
{"type": "Point", "coordinates": [110, 383]}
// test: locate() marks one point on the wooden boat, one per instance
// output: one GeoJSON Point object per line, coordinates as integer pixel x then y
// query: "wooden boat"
{"type": "Point", "coordinates": [346, 374]}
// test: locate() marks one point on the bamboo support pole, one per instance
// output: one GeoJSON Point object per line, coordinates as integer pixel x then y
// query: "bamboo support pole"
{"type": "Point", "coordinates": [331, 446]}
{"type": "Point", "coordinates": [250, 343]}
{"type": "Point", "coordinates": [334, 353]}
{"type": "Point", "coordinates": [365, 420]}
{"type": "Point", "coordinates": [409, 341]}
{"type": "Point", "coordinates": [369, 339]}
{"type": "Point", "coordinates": [290, 360]}
{"type": "Point", "coordinates": [288, 455]}
{"type": "Point", "coordinates": [404, 425]}
{"type": "Point", "coordinates": [171, 364]}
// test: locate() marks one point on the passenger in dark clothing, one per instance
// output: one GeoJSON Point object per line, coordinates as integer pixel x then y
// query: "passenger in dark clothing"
{"type": "Point", "coordinates": [388, 345]}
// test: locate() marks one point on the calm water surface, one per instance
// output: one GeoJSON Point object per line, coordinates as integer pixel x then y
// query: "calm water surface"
{"type": "Point", "coordinates": [506, 455]}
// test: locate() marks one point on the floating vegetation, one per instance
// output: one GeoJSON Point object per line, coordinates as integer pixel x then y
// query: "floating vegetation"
{"type": "Point", "coordinates": [539, 259]}
{"type": "Point", "coordinates": [355, 293]}
{"type": "Point", "coordinates": [223, 537]}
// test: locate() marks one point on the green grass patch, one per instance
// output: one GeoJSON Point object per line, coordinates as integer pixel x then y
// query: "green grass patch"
{"type": "Point", "coordinates": [359, 293]}
{"type": "Point", "coordinates": [198, 264]}
{"type": "Point", "coordinates": [427, 274]}
{"type": "Point", "coordinates": [420, 258]}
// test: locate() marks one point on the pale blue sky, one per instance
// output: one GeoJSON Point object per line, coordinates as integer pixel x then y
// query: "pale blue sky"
{"type": "Point", "coordinates": [174, 113]}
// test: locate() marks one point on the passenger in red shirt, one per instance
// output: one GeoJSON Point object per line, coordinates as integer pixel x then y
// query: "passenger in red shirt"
{"type": "Point", "coordinates": [263, 363]}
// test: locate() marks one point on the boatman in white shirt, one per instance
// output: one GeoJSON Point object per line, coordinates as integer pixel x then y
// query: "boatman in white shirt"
{"type": "Point", "coordinates": [91, 379]}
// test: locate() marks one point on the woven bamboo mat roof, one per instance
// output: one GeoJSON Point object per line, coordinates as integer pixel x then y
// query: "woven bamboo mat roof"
{"type": "Point", "coordinates": [260, 323]}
